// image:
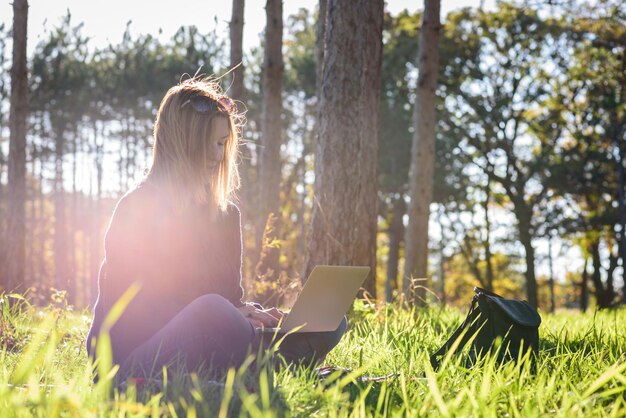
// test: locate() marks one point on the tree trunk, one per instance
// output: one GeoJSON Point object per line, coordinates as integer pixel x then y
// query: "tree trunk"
{"type": "Point", "coordinates": [237, 92]}
{"type": "Point", "coordinates": [13, 274]}
{"type": "Point", "coordinates": [526, 240]}
{"type": "Point", "coordinates": [621, 214]}
{"type": "Point", "coordinates": [584, 289]}
{"type": "Point", "coordinates": [596, 276]}
{"type": "Point", "coordinates": [343, 220]}
{"type": "Point", "coordinates": [236, 50]}
{"type": "Point", "coordinates": [487, 244]}
{"type": "Point", "coordinates": [30, 278]}
{"type": "Point", "coordinates": [396, 234]}
{"type": "Point", "coordinates": [61, 270]}
{"type": "Point", "coordinates": [3, 215]}
{"type": "Point", "coordinates": [269, 161]}
{"type": "Point", "coordinates": [96, 237]}
{"type": "Point", "coordinates": [604, 298]}
{"type": "Point", "coordinates": [610, 286]}
{"type": "Point", "coordinates": [320, 46]}
{"type": "Point", "coordinates": [551, 265]}
{"type": "Point", "coordinates": [42, 236]}
{"type": "Point", "coordinates": [72, 290]}
{"type": "Point", "coordinates": [442, 257]}
{"type": "Point", "coordinates": [271, 126]}
{"type": "Point", "coordinates": [422, 153]}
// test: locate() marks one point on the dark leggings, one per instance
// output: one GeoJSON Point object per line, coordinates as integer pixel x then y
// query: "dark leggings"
{"type": "Point", "coordinates": [211, 333]}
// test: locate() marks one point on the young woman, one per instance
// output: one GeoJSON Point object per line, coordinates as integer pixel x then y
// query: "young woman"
{"type": "Point", "coordinates": [177, 236]}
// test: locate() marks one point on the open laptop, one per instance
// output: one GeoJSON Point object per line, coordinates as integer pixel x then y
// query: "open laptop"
{"type": "Point", "coordinates": [324, 299]}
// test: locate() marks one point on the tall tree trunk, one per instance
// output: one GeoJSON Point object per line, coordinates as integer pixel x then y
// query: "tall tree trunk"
{"type": "Point", "coordinates": [13, 274]}
{"type": "Point", "coordinates": [422, 153]}
{"type": "Point", "coordinates": [551, 265]}
{"type": "Point", "coordinates": [72, 290]}
{"type": "Point", "coordinates": [584, 288]}
{"type": "Point", "coordinates": [237, 92]}
{"type": "Point", "coordinates": [610, 286]}
{"type": "Point", "coordinates": [621, 217]}
{"type": "Point", "coordinates": [30, 278]}
{"type": "Point", "coordinates": [396, 235]}
{"type": "Point", "coordinates": [525, 237]}
{"type": "Point", "coordinates": [61, 270]}
{"type": "Point", "coordinates": [487, 244]}
{"type": "Point", "coordinates": [618, 142]}
{"type": "Point", "coordinates": [343, 220]}
{"type": "Point", "coordinates": [269, 164]}
{"type": "Point", "coordinates": [271, 126]}
{"type": "Point", "coordinates": [96, 237]}
{"type": "Point", "coordinates": [236, 50]}
{"type": "Point", "coordinates": [603, 294]}
{"type": "Point", "coordinates": [442, 257]}
{"type": "Point", "coordinates": [596, 276]}
{"type": "Point", "coordinates": [320, 46]}
{"type": "Point", "coordinates": [42, 236]}
{"type": "Point", "coordinates": [3, 215]}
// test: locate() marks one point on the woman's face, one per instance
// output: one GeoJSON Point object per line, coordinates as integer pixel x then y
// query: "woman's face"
{"type": "Point", "coordinates": [218, 139]}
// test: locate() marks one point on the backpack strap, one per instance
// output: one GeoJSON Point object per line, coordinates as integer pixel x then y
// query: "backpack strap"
{"type": "Point", "coordinates": [471, 316]}
{"type": "Point", "coordinates": [478, 290]}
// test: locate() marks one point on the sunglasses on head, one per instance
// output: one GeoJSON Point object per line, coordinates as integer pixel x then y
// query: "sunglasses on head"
{"type": "Point", "coordinates": [205, 105]}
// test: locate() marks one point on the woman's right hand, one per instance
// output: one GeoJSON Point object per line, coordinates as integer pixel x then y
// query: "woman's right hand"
{"type": "Point", "coordinates": [261, 318]}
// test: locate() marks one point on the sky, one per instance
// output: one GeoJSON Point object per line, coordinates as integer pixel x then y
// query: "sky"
{"type": "Point", "coordinates": [105, 21]}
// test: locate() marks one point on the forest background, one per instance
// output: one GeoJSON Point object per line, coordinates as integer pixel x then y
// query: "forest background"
{"type": "Point", "coordinates": [528, 184]}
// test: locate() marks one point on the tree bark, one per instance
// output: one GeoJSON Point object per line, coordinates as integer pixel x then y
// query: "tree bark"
{"type": "Point", "coordinates": [61, 267]}
{"type": "Point", "coordinates": [584, 289]}
{"type": "Point", "coordinates": [525, 236]}
{"type": "Point", "coordinates": [604, 294]}
{"type": "Point", "coordinates": [72, 290]}
{"type": "Point", "coordinates": [236, 50]}
{"type": "Point", "coordinates": [13, 275]}
{"type": "Point", "coordinates": [621, 214]}
{"type": "Point", "coordinates": [422, 153]}
{"type": "Point", "coordinates": [487, 244]}
{"type": "Point", "coordinates": [396, 235]}
{"type": "Point", "coordinates": [269, 162]}
{"type": "Point", "coordinates": [320, 46]}
{"type": "Point", "coordinates": [343, 220]}
{"type": "Point", "coordinates": [596, 276]}
{"type": "Point", "coordinates": [96, 237]}
{"type": "Point", "coordinates": [551, 265]}
{"type": "Point", "coordinates": [271, 126]}
{"type": "Point", "coordinates": [442, 257]}
{"type": "Point", "coordinates": [3, 215]}
{"type": "Point", "coordinates": [237, 92]}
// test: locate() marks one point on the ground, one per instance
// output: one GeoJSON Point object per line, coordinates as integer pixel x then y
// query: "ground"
{"type": "Point", "coordinates": [581, 371]}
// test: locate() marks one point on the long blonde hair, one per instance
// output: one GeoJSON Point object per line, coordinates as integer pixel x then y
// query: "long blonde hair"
{"type": "Point", "coordinates": [181, 145]}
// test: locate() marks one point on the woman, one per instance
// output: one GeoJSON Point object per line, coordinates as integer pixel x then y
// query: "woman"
{"type": "Point", "coordinates": [178, 237]}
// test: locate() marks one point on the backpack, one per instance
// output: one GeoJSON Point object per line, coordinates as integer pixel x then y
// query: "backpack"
{"type": "Point", "coordinates": [492, 317]}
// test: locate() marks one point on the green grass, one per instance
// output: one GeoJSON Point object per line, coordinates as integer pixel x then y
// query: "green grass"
{"type": "Point", "coordinates": [581, 371]}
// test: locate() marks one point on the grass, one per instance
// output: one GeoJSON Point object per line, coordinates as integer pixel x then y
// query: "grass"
{"type": "Point", "coordinates": [581, 371]}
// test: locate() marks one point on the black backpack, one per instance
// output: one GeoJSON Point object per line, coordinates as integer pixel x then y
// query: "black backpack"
{"type": "Point", "coordinates": [491, 317]}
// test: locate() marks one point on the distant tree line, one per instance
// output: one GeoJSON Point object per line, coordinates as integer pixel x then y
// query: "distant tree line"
{"type": "Point", "coordinates": [529, 138]}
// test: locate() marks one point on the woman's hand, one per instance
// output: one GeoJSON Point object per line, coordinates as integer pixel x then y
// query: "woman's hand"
{"type": "Point", "coordinates": [267, 318]}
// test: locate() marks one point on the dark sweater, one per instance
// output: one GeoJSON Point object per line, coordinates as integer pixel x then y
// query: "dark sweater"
{"type": "Point", "coordinates": [175, 257]}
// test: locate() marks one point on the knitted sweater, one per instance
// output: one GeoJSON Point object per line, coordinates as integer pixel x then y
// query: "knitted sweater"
{"type": "Point", "coordinates": [174, 257]}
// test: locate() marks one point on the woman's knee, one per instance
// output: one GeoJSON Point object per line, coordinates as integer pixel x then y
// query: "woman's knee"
{"type": "Point", "coordinates": [220, 318]}
{"type": "Point", "coordinates": [209, 303]}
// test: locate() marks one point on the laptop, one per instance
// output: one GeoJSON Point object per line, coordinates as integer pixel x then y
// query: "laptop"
{"type": "Point", "coordinates": [323, 301]}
